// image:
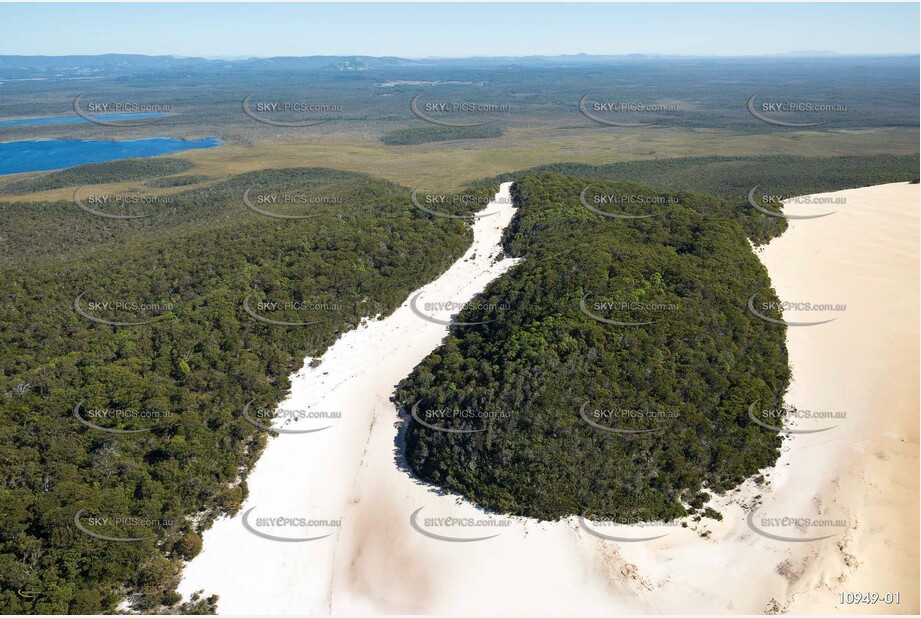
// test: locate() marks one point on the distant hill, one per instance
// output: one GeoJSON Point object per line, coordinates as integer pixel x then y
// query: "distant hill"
{"type": "Point", "coordinates": [130, 63]}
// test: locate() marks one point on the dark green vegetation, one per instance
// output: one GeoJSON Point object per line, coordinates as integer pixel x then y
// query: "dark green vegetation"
{"type": "Point", "coordinates": [528, 371]}
{"type": "Point", "coordinates": [189, 372]}
{"type": "Point", "coordinates": [176, 181]}
{"type": "Point", "coordinates": [731, 179]}
{"type": "Point", "coordinates": [99, 173]}
{"type": "Point", "coordinates": [423, 135]}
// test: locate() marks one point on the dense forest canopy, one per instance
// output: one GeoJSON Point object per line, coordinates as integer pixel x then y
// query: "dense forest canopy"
{"type": "Point", "coordinates": [423, 135]}
{"type": "Point", "coordinates": [178, 383]}
{"type": "Point", "coordinates": [732, 178]}
{"type": "Point", "coordinates": [675, 377]}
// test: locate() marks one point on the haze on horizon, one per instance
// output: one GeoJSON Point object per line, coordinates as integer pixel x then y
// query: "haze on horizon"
{"type": "Point", "coordinates": [243, 30]}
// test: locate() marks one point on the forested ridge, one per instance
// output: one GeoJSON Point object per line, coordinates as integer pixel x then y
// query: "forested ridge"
{"type": "Point", "coordinates": [693, 365]}
{"type": "Point", "coordinates": [189, 370]}
{"type": "Point", "coordinates": [732, 178]}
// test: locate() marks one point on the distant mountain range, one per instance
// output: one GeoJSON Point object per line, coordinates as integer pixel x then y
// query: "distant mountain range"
{"type": "Point", "coordinates": [135, 62]}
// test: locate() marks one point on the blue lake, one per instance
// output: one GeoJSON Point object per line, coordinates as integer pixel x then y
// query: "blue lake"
{"type": "Point", "coordinates": [53, 154]}
{"type": "Point", "coordinates": [72, 119]}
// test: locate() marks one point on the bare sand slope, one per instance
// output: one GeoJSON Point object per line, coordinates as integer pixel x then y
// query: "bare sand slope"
{"type": "Point", "coordinates": [865, 363]}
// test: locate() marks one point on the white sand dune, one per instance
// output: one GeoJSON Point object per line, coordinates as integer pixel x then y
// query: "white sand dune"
{"type": "Point", "coordinates": [864, 470]}
{"type": "Point", "coordinates": [865, 363]}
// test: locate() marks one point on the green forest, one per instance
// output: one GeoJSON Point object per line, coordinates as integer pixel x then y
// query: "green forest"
{"type": "Point", "coordinates": [424, 135]}
{"type": "Point", "coordinates": [176, 181]}
{"type": "Point", "coordinates": [189, 371]}
{"type": "Point", "coordinates": [731, 179]}
{"type": "Point", "coordinates": [689, 369]}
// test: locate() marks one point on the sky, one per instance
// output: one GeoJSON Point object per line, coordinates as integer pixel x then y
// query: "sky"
{"type": "Point", "coordinates": [229, 30]}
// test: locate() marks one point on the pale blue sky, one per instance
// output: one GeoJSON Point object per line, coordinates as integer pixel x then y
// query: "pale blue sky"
{"type": "Point", "coordinates": [424, 30]}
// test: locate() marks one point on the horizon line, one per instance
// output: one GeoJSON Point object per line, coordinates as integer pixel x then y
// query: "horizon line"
{"type": "Point", "coordinates": [243, 57]}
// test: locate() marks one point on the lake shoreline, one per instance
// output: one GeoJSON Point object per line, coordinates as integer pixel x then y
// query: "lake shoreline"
{"type": "Point", "coordinates": [48, 155]}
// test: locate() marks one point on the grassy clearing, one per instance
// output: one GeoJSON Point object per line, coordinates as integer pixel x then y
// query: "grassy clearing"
{"type": "Point", "coordinates": [448, 166]}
